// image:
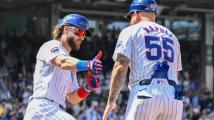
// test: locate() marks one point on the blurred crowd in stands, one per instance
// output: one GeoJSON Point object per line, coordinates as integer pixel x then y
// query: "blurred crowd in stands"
{"type": "Point", "coordinates": [17, 60]}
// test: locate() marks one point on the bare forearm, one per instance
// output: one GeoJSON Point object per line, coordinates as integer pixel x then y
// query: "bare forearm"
{"type": "Point", "coordinates": [69, 64]}
{"type": "Point", "coordinates": [117, 80]}
{"type": "Point", "coordinates": [74, 64]}
{"type": "Point", "coordinates": [118, 77]}
{"type": "Point", "coordinates": [73, 97]}
{"type": "Point", "coordinates": [82, 92]}
{"type": "Point", "coordinates": [65, 62]}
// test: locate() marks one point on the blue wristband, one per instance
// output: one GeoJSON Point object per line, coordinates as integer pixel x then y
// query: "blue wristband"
{"type": "Point", "coordinates": [82, 65]}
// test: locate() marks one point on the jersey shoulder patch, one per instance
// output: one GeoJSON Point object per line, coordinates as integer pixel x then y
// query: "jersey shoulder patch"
{"type": "Point", "coordinates": [55, 50]}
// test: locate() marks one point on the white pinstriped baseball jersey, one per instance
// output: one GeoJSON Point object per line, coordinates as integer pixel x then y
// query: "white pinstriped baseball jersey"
{"type": "Point", "coordinates": [43, 109]}
{"type": "Point", "coordinates": [144, 44]}
{"type": "Point", "coordinates": [50, 85]}
{"type": "Point", "coordinates": [49, 80]}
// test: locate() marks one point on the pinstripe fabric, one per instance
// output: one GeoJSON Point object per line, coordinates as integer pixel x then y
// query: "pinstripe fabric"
{"type": "Point", "coordinates": [42, 109]}
{"type": "Point", "coordinates": [132, 43]}
{"type": "Point", "coordinates": [51, 82]}
{"type": "Point", "coordinates": [162, 106]}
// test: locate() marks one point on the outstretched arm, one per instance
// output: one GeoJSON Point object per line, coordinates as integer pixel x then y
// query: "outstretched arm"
{"type": "Point", "coordinates": [74, 64]}
{"type": "Point", "coordinates": [65, 62]}
{"type": "Point", "coordinates": [118, 78]}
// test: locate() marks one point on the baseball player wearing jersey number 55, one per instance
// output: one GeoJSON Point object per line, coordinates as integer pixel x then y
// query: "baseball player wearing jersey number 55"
{"type": "Point", "coordinates": [55, 80]}
{"type": "Point", "coordinates": [153, 54]}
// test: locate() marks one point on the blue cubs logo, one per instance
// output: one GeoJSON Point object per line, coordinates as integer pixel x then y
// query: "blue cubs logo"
{"type": "Point", "coordinates": [55, 50]}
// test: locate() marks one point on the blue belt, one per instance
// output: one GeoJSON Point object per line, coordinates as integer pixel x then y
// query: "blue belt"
{"type": "Point", "coordinates": [148, 81]}
{"type": "Point", "coordinates": [178, 94]}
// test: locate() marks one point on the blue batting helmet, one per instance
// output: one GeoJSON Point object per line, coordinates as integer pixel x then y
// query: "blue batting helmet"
{"type": "Point", "coordinates": [142, 5]}
{"type": "Point", "coordinates": [77, 21]}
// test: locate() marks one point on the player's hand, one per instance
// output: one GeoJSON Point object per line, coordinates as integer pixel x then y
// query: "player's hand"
{"type": "Point", "coordinates": [92, 82]}
{"type": "Point", "coordinates": [109, 108]}
{"type": "Point", "coordinates": [95, 64]}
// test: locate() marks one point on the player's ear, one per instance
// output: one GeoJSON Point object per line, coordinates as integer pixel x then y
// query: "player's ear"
{"type": "Point", "coordinates": [138, 17]}
{"type": "Point", "coordinates": [65, 29]}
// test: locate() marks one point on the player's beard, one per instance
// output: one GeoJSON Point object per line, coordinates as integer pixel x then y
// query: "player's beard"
{"type": "Point", "coordinates": [71, 42]}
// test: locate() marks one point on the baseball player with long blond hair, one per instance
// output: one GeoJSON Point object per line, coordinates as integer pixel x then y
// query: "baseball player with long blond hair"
{"type": "Point", "coordinates": [55, 80]}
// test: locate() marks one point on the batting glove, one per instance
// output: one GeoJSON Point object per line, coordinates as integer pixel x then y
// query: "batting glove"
{"type": "Point", "coordinates": [95, 64]}
{"type": "Point", "coordinates": [91, 83]}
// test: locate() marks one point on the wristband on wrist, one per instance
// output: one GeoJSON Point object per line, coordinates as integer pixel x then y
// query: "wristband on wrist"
{"type": "Point", "coordinates": [82, 65]}
{"type": "Point", "coordinates": [86, 88]}
{"type": "Point", "coordinates": [82, 93]}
